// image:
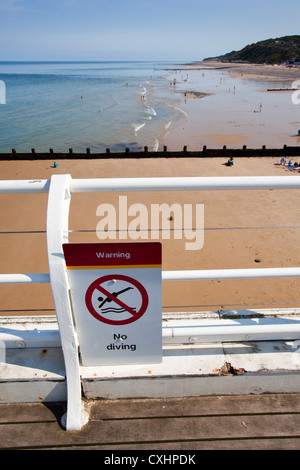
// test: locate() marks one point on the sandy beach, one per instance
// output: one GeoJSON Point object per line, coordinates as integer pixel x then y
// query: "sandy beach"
{"type": "Point", "coordinates": [234, 106]}
{"type": "Point", "coordinates": [250, 70]}
{"type": "Point", "coordinates": [241, 228]}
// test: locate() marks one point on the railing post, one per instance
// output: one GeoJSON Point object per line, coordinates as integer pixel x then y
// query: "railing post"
{"type": "Point", "coordinates": [57, 234]}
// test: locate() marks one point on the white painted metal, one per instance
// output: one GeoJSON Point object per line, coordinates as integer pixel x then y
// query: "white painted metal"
{"type": "Point", "coordinates": [24, 278]}
{"type": "Point", "coordinates": [229, 274]}
{"type": "Point", "coordinates": [33, 375]}
{"type": "Point", "coordinates": [57, 232]}
{"type": "Point", "coordinates": [24, 186]}
{"type": "Point", "coordinates": [231, 332]}
{"type": "Point", "coordinates": [39, 332]}
{"type": "Point", "coordinates": [186, 184]}
{"type": "Point", "coordinates": [188, 275]}
{"type": "Point", "coordinates": [193, 371]}
{"type": "Point", "coordinates": [35, 338]}
{"type": "Point", "coordinates": [157, 184]}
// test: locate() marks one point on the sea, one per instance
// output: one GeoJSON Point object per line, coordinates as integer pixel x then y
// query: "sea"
{"type": "Point", "coordinates": [119, 105]}
{"type": "Point", "coordinates": [80, 105]}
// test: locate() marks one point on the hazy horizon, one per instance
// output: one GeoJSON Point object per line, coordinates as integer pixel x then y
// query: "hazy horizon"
{"type": "Point", "coordinates": [138, 30]}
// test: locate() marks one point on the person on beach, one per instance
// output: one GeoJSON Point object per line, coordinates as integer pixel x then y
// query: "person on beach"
{"type": "Point", "coordinates": [230, 162]}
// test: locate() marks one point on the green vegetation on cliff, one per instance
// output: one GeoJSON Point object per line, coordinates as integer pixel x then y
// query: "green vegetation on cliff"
{"type": "Point", "coordinates": [271, 51]}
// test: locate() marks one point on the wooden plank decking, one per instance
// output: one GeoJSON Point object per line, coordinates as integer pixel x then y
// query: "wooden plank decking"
{"type": "Point", "coordinates": [254, 422]}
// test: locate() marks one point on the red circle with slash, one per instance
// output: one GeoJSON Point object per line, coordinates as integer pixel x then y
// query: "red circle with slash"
{"type": "Point", "coordinates": [134, 315]}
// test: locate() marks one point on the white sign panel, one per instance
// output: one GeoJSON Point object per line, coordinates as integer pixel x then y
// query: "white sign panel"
{"type": "Point", "coordinates": [116, 292]}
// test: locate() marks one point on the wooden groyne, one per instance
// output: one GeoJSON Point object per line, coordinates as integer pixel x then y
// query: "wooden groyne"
{"type": "Point", "coordinates": [224, 152]}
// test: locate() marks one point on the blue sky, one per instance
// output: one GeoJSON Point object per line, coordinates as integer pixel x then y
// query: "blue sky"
{"type": "Point", "coordinates": [176, 30]}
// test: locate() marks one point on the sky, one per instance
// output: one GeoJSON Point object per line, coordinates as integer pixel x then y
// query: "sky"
{"type": "Point", "coordinates": [175, 30]}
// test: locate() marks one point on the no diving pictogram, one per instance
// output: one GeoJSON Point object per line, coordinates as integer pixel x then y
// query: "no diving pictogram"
{"type": "Point", "coordinates": [107, 298]}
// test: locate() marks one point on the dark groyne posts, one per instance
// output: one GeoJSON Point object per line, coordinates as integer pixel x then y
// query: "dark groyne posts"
{"type": "Point", "coordinates": [223, 152]}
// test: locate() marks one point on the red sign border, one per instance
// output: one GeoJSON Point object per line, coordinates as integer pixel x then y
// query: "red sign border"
{"type": "Point", "coordinates": [121, 277]}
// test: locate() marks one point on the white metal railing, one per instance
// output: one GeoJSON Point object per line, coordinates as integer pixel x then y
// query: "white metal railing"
{"type": "Point", "coordinates": [187, 275]}
{"type": "Point", "coordinates": [157, 184]}
{"type": "Point", "coordinates": [60, 189]}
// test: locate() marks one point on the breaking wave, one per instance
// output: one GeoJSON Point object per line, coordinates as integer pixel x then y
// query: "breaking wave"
{"type": "Point", "coordinates": [137, 126]}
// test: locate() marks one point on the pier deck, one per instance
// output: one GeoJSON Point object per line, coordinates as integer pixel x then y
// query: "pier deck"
{"type": "Point", "coordinates": [255, 422]}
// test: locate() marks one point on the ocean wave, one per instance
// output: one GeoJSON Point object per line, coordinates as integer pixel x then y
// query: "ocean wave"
{"type": "Point", "coordinates": [137, 126]}
{"type": "Point", "coordinates": [143, 90]}
{"type": "Point", "coordinates": [156, 145]}
{"type": "Point", "coordinates": [111, 105]}
{"type": "Point", "coordinates": [151, 111]}
{"type": "Point", "coordinates": [185, 114]}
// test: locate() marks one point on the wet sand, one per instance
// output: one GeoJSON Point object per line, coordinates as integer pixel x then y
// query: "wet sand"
{"type": "Point", "coordinates": [234, 107]}
{"type": "Point", "coordinates": [240, 227]}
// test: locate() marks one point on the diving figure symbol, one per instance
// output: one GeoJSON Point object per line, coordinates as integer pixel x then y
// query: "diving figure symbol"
{"type": "Point", "coordinates": [107, 299]}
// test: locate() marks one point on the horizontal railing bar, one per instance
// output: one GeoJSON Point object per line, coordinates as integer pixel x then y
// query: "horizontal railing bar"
{"type": "Point", "coordinates": [24, 278]}
{"type": "Point", "coordinates": [24, 186]}
{"type": "Point", "coordinates": [212, 274]}
{"type": "Point", "coordinates": [157, 184]}
{"type": "Point", "coordinates": [215, 331]}
{"type": "Point", "coordinates": [36, 338]}
{"type": "Point", "coordinates": [185, 184]}
{"type": "Point", "coordinates": [188, 275]}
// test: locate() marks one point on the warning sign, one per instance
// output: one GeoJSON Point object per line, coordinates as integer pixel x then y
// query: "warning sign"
{"type": "Point", "coordinates": [116, 297]}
